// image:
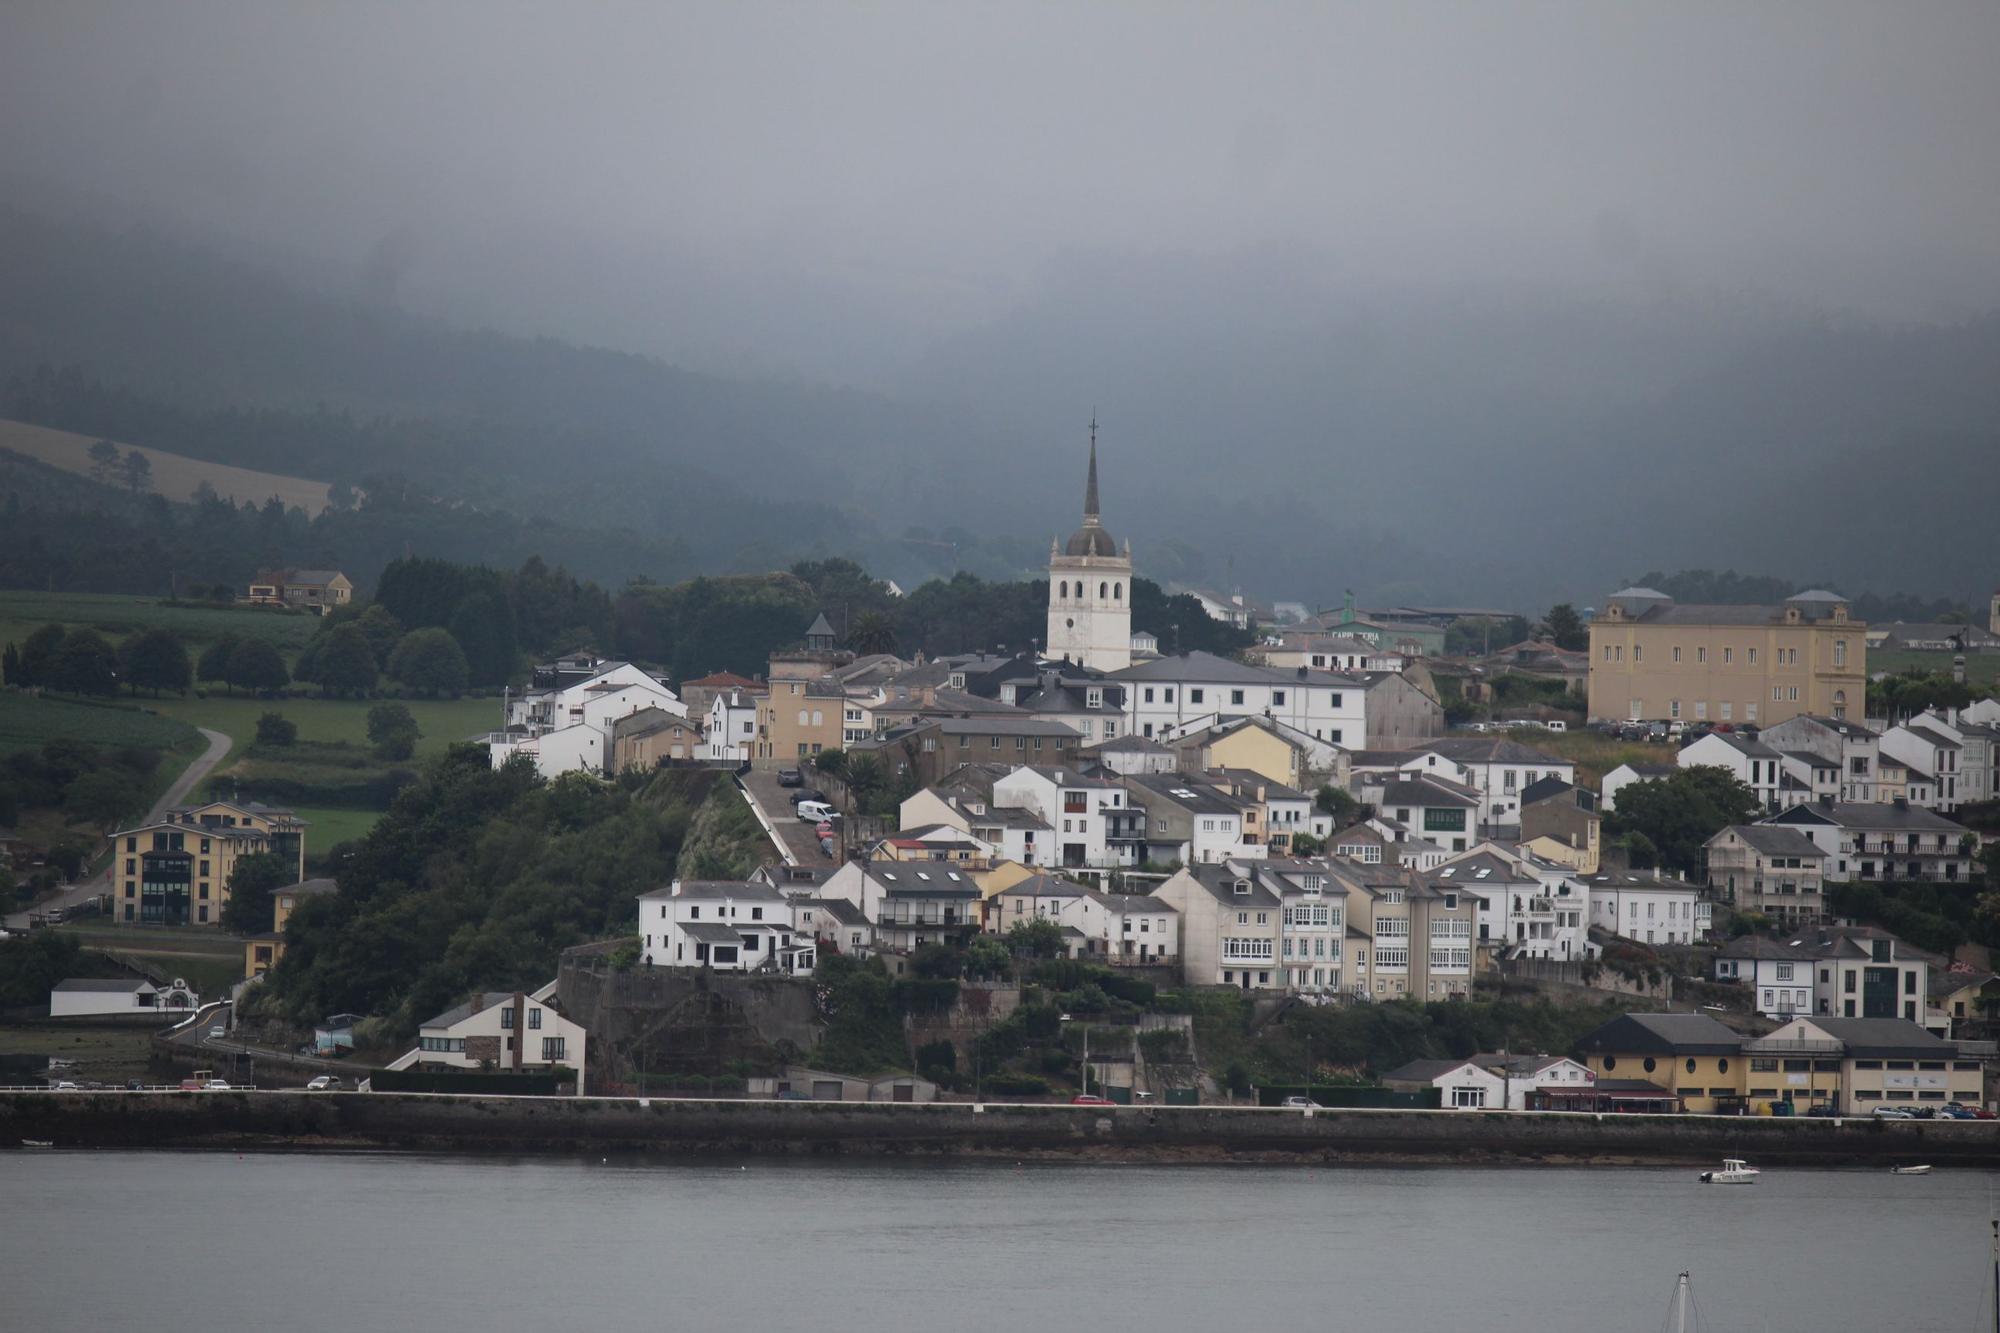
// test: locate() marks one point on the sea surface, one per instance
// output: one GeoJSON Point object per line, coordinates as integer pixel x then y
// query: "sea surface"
{"type": "Point", "coordinates": [218, 1241]}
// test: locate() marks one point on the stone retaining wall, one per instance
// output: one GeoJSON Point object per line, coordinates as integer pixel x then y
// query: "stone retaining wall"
{"type": "Point", "coordinates": [442, 1123]}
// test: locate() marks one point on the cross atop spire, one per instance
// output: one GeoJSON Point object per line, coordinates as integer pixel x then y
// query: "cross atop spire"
{"type": "Point", "coordinates": [1090, 486]}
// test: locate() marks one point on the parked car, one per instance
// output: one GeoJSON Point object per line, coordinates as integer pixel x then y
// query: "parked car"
{"type": "Point", "coordinates": [63, 1085]}
{"type": "Point", "coordinates": [1976, 1112]}
{"type": "Point", "coordinates": [218, 1031]}
{"type": "Point", "coordinates": [1298, 1103]}
{"type": "Point", "coordinates": [1556, 724]}
{"type": "Point", "coordinates": [217, 1085]}
{"type": "Point", "coordinates": [814, 812]}
{"type": "Point", "coordinates": [324, 1083]}
{"type": "Point", "coordinates": [1956, 1113]}
{"type": "Point", "coordinates": [1892, 1113]}
{"type": "Point", "coordinates": [1823, 1109]}
{"type": "Point", "coordinates": [791, 777]}
{"type": "Point", "coordinates": [808, 794]}
{"type": "Point", "coordinates": [1090, 1099]}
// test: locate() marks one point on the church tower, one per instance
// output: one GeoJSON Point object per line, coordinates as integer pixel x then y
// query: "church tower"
{"type": "Point", "coordinates": [1993, 621]}
{"type": "Point", "coordinates": [1090, 589]}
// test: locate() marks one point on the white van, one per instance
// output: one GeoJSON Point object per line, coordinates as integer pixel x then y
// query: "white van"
{"type": "Point", "coordinates": [812, 812]}
{"type": "Point", "coordinates": [1556, 724]}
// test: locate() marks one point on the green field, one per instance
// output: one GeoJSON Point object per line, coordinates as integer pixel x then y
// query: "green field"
{"type": "Point", "coordinates": [330, 826]}
{"type": "Point", "coordinates": [442, 721]}
{"type": "Point", "coordinates": [26, 721]}
{"type": "Point", "coordinates": [1981, 669]}
{"type": "Point", "coordinates": [115, 616]}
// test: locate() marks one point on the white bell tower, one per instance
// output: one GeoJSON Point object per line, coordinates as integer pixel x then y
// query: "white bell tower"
{"type": "Point", "coordinates": [1090, 589]}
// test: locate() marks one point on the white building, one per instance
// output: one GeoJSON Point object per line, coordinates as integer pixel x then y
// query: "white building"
{"type": "Point", "coordinates": [1528, 1075]}
{"type": "Point", "coordinates": [731, 730]}
{"type": "Point", "coordinates": [1778, 973]}
{"type": "Point", "coordinates": [1090, 590]}
{"type": "Point", "coordinates": [1169, 696]}
{"type": "Point", "coordinates": [121, 997]}
{"type": "Point", "coordinates": [1462, 1084]}
{"type": "Point", "coordinates": [1625, 775]}
{"type": "Point", "coordinates": [1081, 813]}
{"type": "Point", "coordinates": [908, 903]}
{"type": "Point", "coordinates": [506, 1032]}
{"type": "Point", "coordinates": [1754, 764]}
{"type": "Point", "coordinates": [1103, 927]}
{"type": "Point", "coordinates": [1529, 908]}
{"type": "Point", "coordinates": [1188, 822]}
{"type": "Point", "coordinates": [1499, 769]}
{"type": "Point", "coordinates": [1644, 908]}
{"type": "Point", "coordinates": [1852, 747]}
{"type": "Point", "coordinates": [724, 925]}
{"type": "Point", "coordinates": [1933, 746]}
{"type": "Point", "coordinates": [567, 728]}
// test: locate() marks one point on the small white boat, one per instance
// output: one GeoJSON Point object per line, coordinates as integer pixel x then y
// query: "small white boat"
{"type": "Point", "coordinates": [38, 1143]}
{"type": "Point", "coordinates": [1733, 1172]}
{"type": "Point", "coordinates": [1909, 1170]}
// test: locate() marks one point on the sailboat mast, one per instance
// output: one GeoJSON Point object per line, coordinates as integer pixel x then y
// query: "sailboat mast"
{"type": "Point", "coordinates": [1996, 1275]}
{"type": "Point", "coordinates": [1681, 1303]}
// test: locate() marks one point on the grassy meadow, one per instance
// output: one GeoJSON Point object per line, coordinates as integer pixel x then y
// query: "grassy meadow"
{"type": "Point", "coordinates": [175, 476]}
{"type": "Point", "coordinates": [329, 721]}
{"type": "Point", "coordinates": [26, 721]}
{"type": "Point", "coordinates": [1981, 669]}
{"type": "Point", "coordinates": [115, 616]}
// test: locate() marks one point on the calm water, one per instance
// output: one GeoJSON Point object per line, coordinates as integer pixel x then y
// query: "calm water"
{"type": "Point", "coordinates": [452, 1245]}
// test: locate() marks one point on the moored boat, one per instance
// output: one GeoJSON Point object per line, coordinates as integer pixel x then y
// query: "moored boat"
{"type": "Point", "coordinates": [1909, 1170]}
{"type": "Point", "coordinates": [1733, 1172]}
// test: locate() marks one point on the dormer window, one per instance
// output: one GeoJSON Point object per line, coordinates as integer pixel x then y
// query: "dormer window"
{"type": "Point", "coordinates": [1243, 886]}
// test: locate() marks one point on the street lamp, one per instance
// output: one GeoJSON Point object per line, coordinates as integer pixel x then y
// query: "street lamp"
{"type": "Point", "coordinates": [1065, 1018]}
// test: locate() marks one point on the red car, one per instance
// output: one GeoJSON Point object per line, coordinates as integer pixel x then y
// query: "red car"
{"type": "Point", "coordinates": [1090, 1099]}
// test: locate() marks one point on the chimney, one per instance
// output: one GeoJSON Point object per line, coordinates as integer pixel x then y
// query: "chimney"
{"type": "Point", "coordinates": [478, 1001]}
{"type": "Point", "coordinates": [1826, 801]}
{"type": "Point", "coordinates": [1902, 802]}
{"type": "Point", "coordinates": [520, 1027]}
{"type": "Point", "coordinates": [1302, 673]}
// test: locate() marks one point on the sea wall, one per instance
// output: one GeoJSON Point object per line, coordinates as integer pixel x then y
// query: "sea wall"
{"type": "Point", "coordinates": [441, 1123]}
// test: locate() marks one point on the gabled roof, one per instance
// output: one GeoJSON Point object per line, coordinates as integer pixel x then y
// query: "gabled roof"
{"type": "Point", "coordinates": [1951, 983]}
{"type": "Point", "coordinates": [1743, 745]}
{"type": "Point", "coordinates": [1428, 1071]}
{"type": "Point", "coordinates": [1045, 886]}
{"type": "Point", "coordinates": [1220, 882]}
{"type": "Point", "coordinates": [1133, 744]}
{"type": "Point", "coordinates": [1773, 840]}
{"type": "Point", "coordinates": [712, 932]}
{"type": "Point", "coordinates": [309, 888]}
{"type": "Point", "coordinates": [1543, 789]}
{"type": "Point", "coordinates": [1661, 1034]}
{"type": "Point", "coordinates": [104, 985]}
{"type": "Point", "coordinates": [1757, 947]}
{"type": "Point", "coordinates": [841, 910]}
{"type": "Point", "coordinates": [708, 890]}
{"type": "Point", "coordinates": [1492, 750]}
{"type": "Point", "coordinates": [1423, 789]}
{"type": "Point", "coordinates": [457, 1014]}
{"type": "Point", "coordinates": [1867, 815]}
{"type": "Point", "coordinates": [1882, 1037]}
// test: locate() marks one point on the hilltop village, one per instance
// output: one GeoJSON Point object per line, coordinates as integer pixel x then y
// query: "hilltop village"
{"type": "Point", "coordinates": [1663, 857]}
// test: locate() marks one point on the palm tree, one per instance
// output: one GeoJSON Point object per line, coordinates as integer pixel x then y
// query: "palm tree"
{"type": "Point", "coordinates": [872, 632]}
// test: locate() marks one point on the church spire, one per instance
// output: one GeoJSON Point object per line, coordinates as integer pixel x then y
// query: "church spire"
{"type": "Point", "coordinates": [1090, 486]}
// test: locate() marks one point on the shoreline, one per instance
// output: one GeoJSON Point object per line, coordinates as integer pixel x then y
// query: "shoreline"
{"type": "Point", "coordinates": [1154, 1135]}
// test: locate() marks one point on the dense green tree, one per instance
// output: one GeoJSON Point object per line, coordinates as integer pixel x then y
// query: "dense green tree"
{"type": "Point", "coordinates": [343, 663]}
{"type": "Point", "coordinates": [1040, 938]}
{"type": "Point", "coordinates": [249, 908]}
{"type": "Point", "coordinates": [392, 731]}
{"type": "Point", "coordinates": [276, 729]}
{"type": "Point", "coordinates": [213, 664]}
{"type": "Point", "coordinates": [104, 462]}
{"type": "Point", "coordinates": [31, 964]}
{"type": "Point", "coordinates": [1343, 808]}
{"type": "Point", "coordinates": [104, 797]}
{"type": "Point", "coordinates": [483, 626]}
{"type": "Point", "coordinates": [156, 659]}
{"type": "Point", "coordinates": [10, 666]}
{"type": "Point", "coordinates": [85, 664]}
{"type": "Point", "coordinates": [137, 471]}
{"type": "Point", "coordinates": [255, 665]}
{"type": "Point", "coordinates": [1679, 813]}
{"type": "Point", "coordinates": [38, 653]}
{"type": "Point", "coordinates": [1566, 628]}
{"type": "Point", "coordinates": [429, 661]}
{"type": "Point", "coordinates": [1475, 636]}
{"type": "Point", "coordinates": [872, 632]}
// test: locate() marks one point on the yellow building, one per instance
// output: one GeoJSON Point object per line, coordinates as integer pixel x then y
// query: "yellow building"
{"type": "Point", "coordinates": [176, 872]}
{"type": "Point", "coordinates": [262, 952]}
{"type": "Point", "coordinates": [1690, 1055]}
{"type": "Point", "coordinates": [803, 713]}
{"type": "Point", "coordinates": [1652, 659]}
{"type": "Point", "coordinates": [1858, 1064]}
{"type": "Point", "coordinates": [1250, 744]}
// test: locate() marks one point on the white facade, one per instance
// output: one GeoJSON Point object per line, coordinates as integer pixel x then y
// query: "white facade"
{"type": "Point", "coordinates": [1852, 746]}
{"type": "Point", "coordinates": [1756, 766]}
{"type": "Point", "coordinates": [1499, 771]}
{"type": "Point", "coordinates": [1528, 908]}
{"type": "Point", "coordinates": [1624, 776]}
{"type": "Point", "coordinates": [1174, 695]}
{"type": "Point", "coordinates": [1779, 987]}
{"type": "Point", "coordinates": [1076, 810]}
{"type": "Point", "coordinates": [1929, 745]}
{"type": "Point", "coordinates": [1525, 1077]}
{"type": "Point", "coordinates": [731, 727]}
{"type": "Point", "coordinates": [568, 729]}
{"type": "Point", "coordinates": [1090, 591]}
{"type": "Point", "coordinates": [127, 997]}
{"type": "Point", "coordinates": [505, 1032]}
{"type": "Point", "coordinates": [724, 925]}
{"type": "Point", "coordinates": [1651, 911]}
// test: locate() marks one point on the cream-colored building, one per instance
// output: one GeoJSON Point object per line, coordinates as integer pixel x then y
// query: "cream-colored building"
{"type": "Point", "coordinates": [176, 872]}
{"type": "Point", "coordinates": [803, 714]}
{"type": "Point", "coordinates": [1653, 659]}
{"type": "Point", "coordinates": [1858, 1064]}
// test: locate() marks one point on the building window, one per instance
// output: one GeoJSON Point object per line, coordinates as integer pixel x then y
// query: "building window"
{"type": "Point", "coordinates": [552, 1049]}
{"type": "Point", "coordinates": [506, 1020]}
{"type": "Point", "coordinates": [1674, 708]}
{"type": "Point", "coordinates": [1728, 656]}
{"type": "Point", "coordinates": [534, 1018]}
{"type": "Point", "coordinates": [1840, 652]}
{"type": "Point", "coordinates": [1677, 652]}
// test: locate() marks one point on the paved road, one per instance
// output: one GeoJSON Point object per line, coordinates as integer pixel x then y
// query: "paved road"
{"type": "Point", "coordinates": [775, 804]}
{"type": "Point", "coordinates": [85, 890]}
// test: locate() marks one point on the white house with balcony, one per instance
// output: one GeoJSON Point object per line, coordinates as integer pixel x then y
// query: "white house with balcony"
{"type": "Point", "coordinates": [508, 1032]}
{"type": "Point", "coordinates": [725, 926]}
{"type": "Point", "coordinates": [1777, 973]}
{"type": "Point", "coordinates": [1849, 746]}
{"type": "Point", "coordinates": [1528, 907]}
{"type": "Point", "coordinates": [1081, 813]}
{"type": "Point", "coordinates": [567, 727]}
{"type": "Point", "coordinates": [908, 903]}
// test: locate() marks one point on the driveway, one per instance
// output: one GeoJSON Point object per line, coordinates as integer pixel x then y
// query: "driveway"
{"type": "Point", "coordinates": [86, 889]}
{"type": "Point", "coordinates": [774, 804]}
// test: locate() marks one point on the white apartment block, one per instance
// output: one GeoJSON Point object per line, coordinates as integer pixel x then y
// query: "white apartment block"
{"type": "Point", "coordinates": [1643, 908]}
{"type": "Point", "coordinates": [501, 1031]}
{"type": "Point", "coordinates": [1169, 695]}
{"type": "Point", "coordinates": [725, 926]}
{"type": "Point", "coordinates": [731, 731]}
{"type": "Point", "coordinates": [567, 728]}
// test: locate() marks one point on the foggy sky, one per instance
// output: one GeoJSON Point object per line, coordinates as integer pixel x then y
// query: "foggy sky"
{"type": "Point", "coordinates": [829, 190]}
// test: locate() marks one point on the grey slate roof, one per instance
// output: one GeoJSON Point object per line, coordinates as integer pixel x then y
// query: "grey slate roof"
{"type": "Point", "coordinates": [1775, 840]}
{"type": "Point", "coordinates": [310, 888]}
{"type": "Point", "coordinates": [1868, 815]}
{"type": "Point", "coordinates": [1221, 885]}
{"type": "Point", "coordinates": [1753, 947]}
{"type": "Point", "coordinates": [1427, 790]}
{"type": "Point", "coordinates": [103, 985]}
{"type": "Point", "coordinates": [492, 999]}
{"type": "Point", "coordinates": [1662, 1034]}
{"type": "Point", "coordinates": [711, 932]}
{"type": "Point", "coordinates": [1883, 1037]}
{"type": "Point", "coordinates": [1424, 1071]}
